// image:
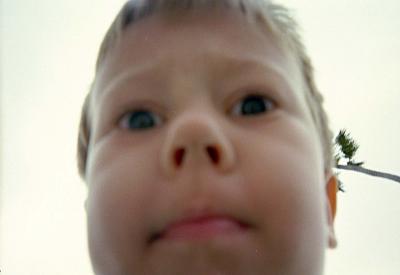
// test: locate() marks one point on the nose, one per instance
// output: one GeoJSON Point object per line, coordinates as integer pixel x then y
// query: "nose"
{"type": "Point", "coordinates": [196, 141]}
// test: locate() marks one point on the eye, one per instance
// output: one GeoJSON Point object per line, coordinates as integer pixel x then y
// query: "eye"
{"type": "Point", "coordinates": [139, 120]}
{"type": "Point", "coordinates": [253, 105]}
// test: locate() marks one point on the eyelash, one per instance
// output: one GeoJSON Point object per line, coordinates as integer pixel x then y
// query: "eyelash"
{"type": "Point", "coordinates": [269, 104]}
{"type": "Point", "coordinates": [125, 120]}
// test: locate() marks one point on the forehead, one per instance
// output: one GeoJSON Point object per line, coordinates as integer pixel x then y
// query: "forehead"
{"type": "Point", "coordinates": [220, 40]}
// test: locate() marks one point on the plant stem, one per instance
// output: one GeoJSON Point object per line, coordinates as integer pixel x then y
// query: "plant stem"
{"type": "Point", "coordinates": [369, 172]}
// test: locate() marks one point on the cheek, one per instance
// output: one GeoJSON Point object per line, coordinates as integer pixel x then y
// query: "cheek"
{"type": "Point", "coordinates": [285, 191]}
{"type": "Point", "coordinates": [120, 190]}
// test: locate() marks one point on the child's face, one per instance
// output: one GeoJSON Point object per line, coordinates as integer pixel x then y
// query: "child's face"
{"type": "Point", "coordinates": [253, 172]}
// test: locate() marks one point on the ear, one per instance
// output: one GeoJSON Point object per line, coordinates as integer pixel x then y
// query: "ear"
{"type": "Point", "coordinates": [331, 190]}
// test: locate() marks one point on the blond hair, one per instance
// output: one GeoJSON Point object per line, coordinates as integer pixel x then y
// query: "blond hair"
{"type": "Point", "coordinates": [275, 18]}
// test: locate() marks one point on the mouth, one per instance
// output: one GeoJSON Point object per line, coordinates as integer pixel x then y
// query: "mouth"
{"type": "Point", "coordinates": [201, 227]}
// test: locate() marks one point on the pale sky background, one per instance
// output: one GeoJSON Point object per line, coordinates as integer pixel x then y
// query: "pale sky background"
{"type": "Point", "coordinates": [48, 51]}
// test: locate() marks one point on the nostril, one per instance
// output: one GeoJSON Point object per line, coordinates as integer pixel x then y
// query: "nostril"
{"type": "Point", "coordinates": [213, 153]}
{"type": "Point", "coordinates": [179, 154]}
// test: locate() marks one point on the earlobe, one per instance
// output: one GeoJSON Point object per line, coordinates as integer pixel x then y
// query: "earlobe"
{"type": "Point", "coordinates": [331, 190]}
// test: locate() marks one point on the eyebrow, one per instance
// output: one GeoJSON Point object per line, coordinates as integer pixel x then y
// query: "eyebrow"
{"type": "Point", "coordinates": [232, 66]}
{"type": "Point", "coordinates": [266, 68]}
{"type": "Point", "coordinates": [126, 76]}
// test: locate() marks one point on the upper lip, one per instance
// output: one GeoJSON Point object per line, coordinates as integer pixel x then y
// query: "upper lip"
{"type": "Point", "coordinates": [189, 216]}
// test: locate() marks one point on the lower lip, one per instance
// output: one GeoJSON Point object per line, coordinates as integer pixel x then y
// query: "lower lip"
{"type": "Point", "coordinates": [204, 228]}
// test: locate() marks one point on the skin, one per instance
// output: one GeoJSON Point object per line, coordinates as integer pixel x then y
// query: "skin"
{"type": "Point", "coordinates": [265, 169]}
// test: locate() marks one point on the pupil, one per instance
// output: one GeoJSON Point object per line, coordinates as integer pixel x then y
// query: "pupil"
{"type": "Point", "coordinates": [253, 104]}
{"type": "Point", "coordinates": [141, 120]}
